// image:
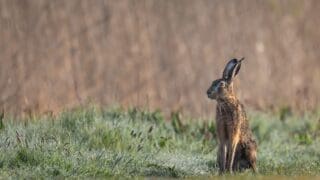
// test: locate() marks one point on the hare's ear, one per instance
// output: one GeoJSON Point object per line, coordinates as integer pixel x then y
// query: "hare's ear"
{"type": "Point", "coordinates": [232, 69]}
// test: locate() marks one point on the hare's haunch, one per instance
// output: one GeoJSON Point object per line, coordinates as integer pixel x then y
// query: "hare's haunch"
{"type": "Point", "coordinates": [237, 148]}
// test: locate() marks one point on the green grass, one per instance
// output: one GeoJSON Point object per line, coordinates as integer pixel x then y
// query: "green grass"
{"type": "Point", "coordinates": [102, 143]}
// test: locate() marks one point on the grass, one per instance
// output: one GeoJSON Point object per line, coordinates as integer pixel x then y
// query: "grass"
{"type": "Point", "coordinates": [134, 143]}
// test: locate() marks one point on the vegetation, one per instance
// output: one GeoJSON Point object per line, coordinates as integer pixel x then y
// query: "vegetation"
{"type": "Point", "coordinates": [58, 54]}
{"type": "Point", "coordinates": [133, 143]}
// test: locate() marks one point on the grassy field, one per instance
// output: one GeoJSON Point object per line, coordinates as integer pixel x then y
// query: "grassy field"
{"type": "Point", "coordinates": [133, 143]}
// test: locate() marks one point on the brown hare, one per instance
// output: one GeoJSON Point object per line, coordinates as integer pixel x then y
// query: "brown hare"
{"type": "Point", "coordinates": [237, 148]}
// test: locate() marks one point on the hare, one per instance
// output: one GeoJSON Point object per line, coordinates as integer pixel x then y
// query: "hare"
{"type": "Point", "coordinates": [237, 147]}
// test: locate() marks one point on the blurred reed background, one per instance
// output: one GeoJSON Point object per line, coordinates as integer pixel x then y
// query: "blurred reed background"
{"type": "Point", "coordinates": [157, 54]}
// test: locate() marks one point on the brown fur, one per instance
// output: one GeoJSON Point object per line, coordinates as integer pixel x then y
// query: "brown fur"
{"type": "Point", "coordinates": [237, 148]}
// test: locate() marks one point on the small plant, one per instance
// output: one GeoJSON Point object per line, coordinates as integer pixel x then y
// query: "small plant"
{"type": "Point", "coordinates": [177, 124]}
{"type": "Point", "coordinates": [285, 112]}
{"type": "Point", "coordinates": [303, 138]}
{"type": "Point", "coordinates": [1, 120]}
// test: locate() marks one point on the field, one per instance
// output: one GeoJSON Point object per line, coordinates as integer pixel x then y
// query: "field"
{"type": "Point", "coordinates": [160, 54]}
{"type": "Point", "coordinates": [80, 82]}
{"type": "Point", "coordinates": [94, 142]}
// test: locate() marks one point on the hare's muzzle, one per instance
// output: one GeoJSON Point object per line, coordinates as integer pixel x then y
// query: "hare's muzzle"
{"type": "Point", "coordinates": [210, 94]}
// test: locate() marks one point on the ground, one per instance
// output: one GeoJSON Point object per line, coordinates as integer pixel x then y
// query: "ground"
{"type": "Point", "coordinates": [93, 142]}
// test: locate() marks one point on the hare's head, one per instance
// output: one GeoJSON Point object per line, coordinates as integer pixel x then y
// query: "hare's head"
{"type": "Point", "coordinates": [223, 88]}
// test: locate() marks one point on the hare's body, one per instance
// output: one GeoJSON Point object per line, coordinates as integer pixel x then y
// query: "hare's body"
{"type": "Point", "coordinates": [237, 148]}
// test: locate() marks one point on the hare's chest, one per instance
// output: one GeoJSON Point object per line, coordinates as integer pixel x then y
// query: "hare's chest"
{"type": "Point", "coordinates": [227, 116]}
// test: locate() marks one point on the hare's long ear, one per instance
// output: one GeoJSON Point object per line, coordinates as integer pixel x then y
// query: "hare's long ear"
{"type": "Point", "coordinates": [232, 69]}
